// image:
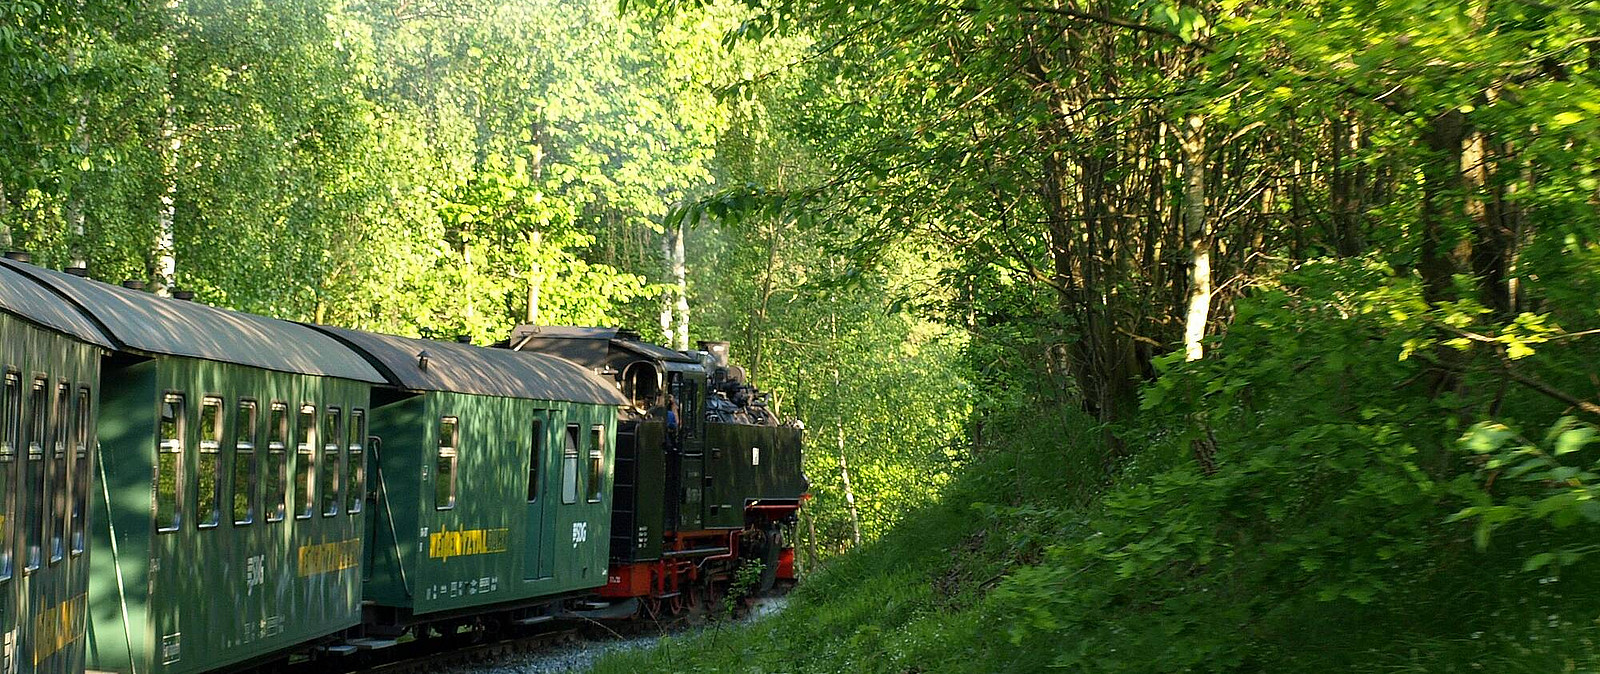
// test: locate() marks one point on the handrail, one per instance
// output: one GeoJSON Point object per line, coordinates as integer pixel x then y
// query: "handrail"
{"type": "Point", "coordinates": [383, 494]}
{"type": "Point", "coordinates": [116, 561]}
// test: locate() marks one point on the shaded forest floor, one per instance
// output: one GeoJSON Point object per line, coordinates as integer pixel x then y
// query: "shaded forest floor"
{"type": "Point", "coordinates": [1347, 519]}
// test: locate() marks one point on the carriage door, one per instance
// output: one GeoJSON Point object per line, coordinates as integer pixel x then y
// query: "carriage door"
{"type": "Point", "coordinates": [374, 486]}
{"type": "Point", "coordinates": [535, 563]}
{"type": "Point", "coordinates": [167, 572]}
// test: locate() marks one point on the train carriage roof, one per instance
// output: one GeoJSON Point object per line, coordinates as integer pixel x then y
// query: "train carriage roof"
{"type": "Point", "coordinates": [476, 370]}
{"type": "Point", "coordinates": [586, 344]}
{"type": "Point", "coordinates": [142, 322]}
{"type": "Point", "coordinates": [20, 295]}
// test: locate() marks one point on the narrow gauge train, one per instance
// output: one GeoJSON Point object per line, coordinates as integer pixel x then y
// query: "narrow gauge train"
{"type": "Point", "coordinates": [733, 482]}
{"type": "Point", "coordinates": [189, 489]}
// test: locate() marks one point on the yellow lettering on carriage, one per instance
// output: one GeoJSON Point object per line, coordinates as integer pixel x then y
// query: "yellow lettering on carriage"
{"type": "Point", "coordinates": [446, 544]}
{"type": "Point", "coordinates": [57, 626]}
{"type": "Point", "coordinates": [329, 557]}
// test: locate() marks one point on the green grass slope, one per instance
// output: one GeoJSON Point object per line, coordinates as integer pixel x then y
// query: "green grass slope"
{"type": "Point", "coordinates": [1314, 496]}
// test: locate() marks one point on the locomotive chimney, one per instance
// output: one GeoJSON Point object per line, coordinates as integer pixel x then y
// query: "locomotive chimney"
{"type": "Point", "coordinates": [463, 339]}
{"type": "Point", "coordinates": [19, 256]}
{"type": "Point", "coordinates": [133, 284]}
{"type": "Point", "coordinates": [185, 295]}
{"type": "Point", "coordinates": [718, 351]}
{"type": "Point", "coordinates": [80, 272]}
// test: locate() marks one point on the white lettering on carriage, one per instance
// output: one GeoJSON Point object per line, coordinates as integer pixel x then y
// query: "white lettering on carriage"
{"type": "Point", "coordinates": [580, 533]}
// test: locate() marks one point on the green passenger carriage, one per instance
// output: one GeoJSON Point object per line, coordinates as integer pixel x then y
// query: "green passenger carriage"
{"type": "Point", "coordinates": [50, 361]}
{"type": "Point", "coordinates": [492, 471]}
{"type": "Point", "coordinates": [231, 519]}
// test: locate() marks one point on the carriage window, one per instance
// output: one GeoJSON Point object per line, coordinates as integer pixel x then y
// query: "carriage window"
{"type": "Point", "coordinates": [302, 464]}
{"type": "Point", "coordinates": [169, 463]}
{"type": "Point", "coordinates": [597, 464]}
{"type": "Point", "coordinates": [10, 434]}
{"type": "Point", "coordinates": [244, 463]}
{"type": "Point", "coordinates": [332, 432]}
{"type": "Point", "coordinates": [355, 467]}
{"type": "Point", "coordinates": [33, 487]}
{"type": "Point", "coordinates": [535, 456]}
{"type": "Point", "coordinates": [83, 435]}
{"type": "Point", "coordinates": [569, 466]}
{"type": "Point", "coordinates": [209, 493]}
{"type": "Point", "coordinates": [56, 486]}
{"type": "Point", "coordinates": [278, 463]}
{"type": "Point", "coordinates": [444, 476]}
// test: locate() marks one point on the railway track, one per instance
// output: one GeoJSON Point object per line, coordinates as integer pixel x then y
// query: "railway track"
{"type": "Point", "coordinates": [474, 648]}
{"type": "Point", "coordinates": [426, 657]}
{"type": "Point", "coordinates": [489, 649]}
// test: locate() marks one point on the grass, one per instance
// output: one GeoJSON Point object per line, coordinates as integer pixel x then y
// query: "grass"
{"type": "Point", "coordinates": [915, 600]}
{"type": "Point", "coordinates": [921, 599]}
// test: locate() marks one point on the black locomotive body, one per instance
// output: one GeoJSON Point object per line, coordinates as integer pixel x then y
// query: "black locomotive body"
{"type": "Point", "coordinates": [706, 475]}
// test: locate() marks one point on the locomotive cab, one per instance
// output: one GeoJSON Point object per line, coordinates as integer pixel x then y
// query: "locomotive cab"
{"type": "Point", "coordinates": [706, 477]}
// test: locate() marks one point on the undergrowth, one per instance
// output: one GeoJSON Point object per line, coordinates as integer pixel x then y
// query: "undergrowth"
{"type": "Point", "coordinates": [1313, 496]}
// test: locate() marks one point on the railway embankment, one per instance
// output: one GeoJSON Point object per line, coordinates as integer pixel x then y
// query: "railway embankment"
{"type": "Point", "coordinates": [1299, 501]}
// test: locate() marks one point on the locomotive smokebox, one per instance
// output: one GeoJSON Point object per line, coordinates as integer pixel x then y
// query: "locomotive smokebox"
{"type": "Point", "coordinates": [718, 351]}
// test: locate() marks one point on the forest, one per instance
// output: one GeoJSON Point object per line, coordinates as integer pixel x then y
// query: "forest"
{"type": "Point", "coordinates": [1129, 335]}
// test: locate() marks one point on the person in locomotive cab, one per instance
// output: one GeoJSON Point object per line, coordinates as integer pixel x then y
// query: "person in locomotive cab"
{"type": "Point", "coordinates": [672, 422]}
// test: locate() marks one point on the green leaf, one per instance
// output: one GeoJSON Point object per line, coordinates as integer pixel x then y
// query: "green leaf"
{"type": "Point", "coordinates": [1538, 561]}
{"type": "Point", "coordinates": [1574, 440]}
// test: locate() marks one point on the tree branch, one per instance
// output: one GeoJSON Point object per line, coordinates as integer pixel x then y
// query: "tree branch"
{"type": "Point", "coordinates": [1552, 391]}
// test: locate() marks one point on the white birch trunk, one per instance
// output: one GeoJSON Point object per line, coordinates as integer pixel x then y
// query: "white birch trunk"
{"type": "Point", "coordinates": [535, 281]}
{"type": "Point", "coordinates": [1198, 235]}
{"type": "Point", "coordinates": [75, 201]}
{"type": "Point", "coordinates": [468, 274]}
{"type": "Point", "coordinates": [5, 219]}
{"type": "Point", "coordinates": [838, 427]}
{"type": "Point", "coordinates": [536, 273]}
{"type": "Point", "coordinates": [165, 252]}
{"type": "Point", "coordinates": [166, 246]}
{"type": "Point", "coordinates": [680, 279]}
{"type": "Point", "coordinates": [667, 298]}
{"type": "Point", "coordinates": [849, 494]}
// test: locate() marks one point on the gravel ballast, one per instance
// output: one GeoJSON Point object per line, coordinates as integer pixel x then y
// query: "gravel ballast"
{"type": "Point", "coordinates": [580, 657]}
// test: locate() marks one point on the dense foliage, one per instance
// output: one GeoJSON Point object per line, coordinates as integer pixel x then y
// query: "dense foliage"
{"type": "Point", "coordinates": [455, 168]}
{"type": "Point", "coordinates": [1130, 336]}
{"type": "Point", "coordinates": [1281, 324]}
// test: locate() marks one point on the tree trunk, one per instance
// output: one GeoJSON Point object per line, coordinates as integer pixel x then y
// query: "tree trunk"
{"type": "Point", "coordinates": [753, 336]}
{"type": "Point", "coordinates": [1196, 231]}
{"type": "Point", "coordinates": [811, 539]}
{"type": "Point", "coordinates": [680, 280]}
{"type": "Point", "coordinates": [469, 310]}
{"type": "Point", "coordinates": [536, 273]}
{"type": "Point", "coordinates": [667, 298]}
{"type": "Point", "coordinates": [838, 426]}
{"type": "Point", "coordinates": [1347, 187]}
{"type": "Point", "coordinates": [1441, 182]}
{"type": "Point", "coordinates": [1492, 236]}
{"type": "Point", "coordinates": [165, 251]}
{"type": "Point", "coordinates": [75, 200]}
{"type": "Point", "coordinates": [5, 219]}
{"type": "Point", "coordinates": [535, 281]}
{"type": "Point", "coordinates": [849, 494]}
